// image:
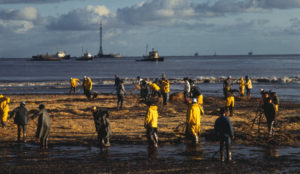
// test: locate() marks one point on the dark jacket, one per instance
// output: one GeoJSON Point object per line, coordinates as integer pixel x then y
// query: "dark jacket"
{"type": "Point", "coordinates": [102, 123]}
{"type": "Point", "coordinates": [269, 110]}
{"type": "Point", "coordinates": [117, 82]}
{"type": "Point", "coordinates": [121, 89]}
{"type": "Point", "coordinates": [21, 115]}
{"type": "Point", "coordinates": [195, 92]}
{"type": "Point", "coordinates": [223, 127]}
{"type": "Point", "coordinates": [44, 123]}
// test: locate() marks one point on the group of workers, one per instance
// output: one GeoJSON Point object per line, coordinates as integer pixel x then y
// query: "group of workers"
{"type": "Point", "coordinates": [87, 85]}
{"type": "Point", "coordinates": [21, 117]}
{"type": "Point", "coordinates": [229, 92]}
{"type": "Point", "coordinates": [150, 91]}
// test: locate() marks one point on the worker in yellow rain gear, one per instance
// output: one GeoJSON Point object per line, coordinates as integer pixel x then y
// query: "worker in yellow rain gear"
{"type": "Point", "coordinates": [151, 124]}
{"type": "Point", "coordinates": [248, 86]}
{"type": "Point", "coordinates": [4, 109]}
{"type": "Point", "coordinates": [242, 87]}
{"type": "Point", "coordinates": [74, 82]}
{"type": "Point", "coordinates": [87, 86]}
{"type": "Point", "coordinates": [230, 103]}
{"type": "Point", "coordinates": [155, 89]}
{"type": "Point", "coordinates": [193, 118]}
{"type": "Point", "coordinates": [165, 89]}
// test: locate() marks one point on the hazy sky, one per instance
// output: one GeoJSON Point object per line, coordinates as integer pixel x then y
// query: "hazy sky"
{"type": "Point", "coordinates": [174, 27]}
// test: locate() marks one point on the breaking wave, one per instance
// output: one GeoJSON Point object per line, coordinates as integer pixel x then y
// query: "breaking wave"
{"type": "Point", "coordinates": [198, 80]}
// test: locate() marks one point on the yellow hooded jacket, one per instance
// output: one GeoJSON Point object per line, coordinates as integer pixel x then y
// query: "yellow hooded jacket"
{"type": "Point", "coordinates": [74, 82]}
{"type": "Point", "coordinates": [154, 86]}
{"type": "Point", "coordinates": [193, 118]}
{"type": "Point", "coordinates": [151, 117]}
{"type": "Point", "coordinates": [88, 84]}
{"type": "Point", "coordinates": [249, 84]}
{"type": "Point", "coordinates": [4, 108]}
{"type": "Point", "coordinates": [165, 85]}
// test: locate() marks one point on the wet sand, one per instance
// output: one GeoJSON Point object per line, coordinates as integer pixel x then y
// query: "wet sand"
{"type": "Point", "coordinates": [73, 126]}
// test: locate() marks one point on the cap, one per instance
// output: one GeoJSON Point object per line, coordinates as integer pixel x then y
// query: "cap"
{"type": "Point", "coordinates": [22, 103]}
{"type": "Point", "coordinates": [229, 77]}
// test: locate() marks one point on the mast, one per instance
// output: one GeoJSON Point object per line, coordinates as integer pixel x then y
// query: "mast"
{"type": "Point", "coordinates": [100, 49]}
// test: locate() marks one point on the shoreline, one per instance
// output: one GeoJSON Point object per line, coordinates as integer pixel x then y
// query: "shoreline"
{"type": "Point", "coordinates": [127, 124]}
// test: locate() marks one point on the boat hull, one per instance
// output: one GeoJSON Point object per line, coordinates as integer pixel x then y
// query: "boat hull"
{"type": "Point", "coordinates": [152, 59]}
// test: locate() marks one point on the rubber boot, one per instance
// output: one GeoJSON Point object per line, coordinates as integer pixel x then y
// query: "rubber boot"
{"type": "Point", "coordinates": [24, 137]}
{"type": "Point", "coordinates": [196, 139]}
{"type": "Point", "coordinates": [229, 156]}
{"type": "Point", "coordinates": [231, 111]}
{"type": "Point", "coordinates": [107, 143]}
{"type": "Point", "coordinates": [222, 156]}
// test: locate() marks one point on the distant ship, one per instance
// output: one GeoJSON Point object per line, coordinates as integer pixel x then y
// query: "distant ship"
{"type": "Point", "coordinates": [46, 57]}
{"type": "Point", "coordinates": [86, 56]}
{"type": "Point", "coordinates": [101, 54]}
{"type": "Point", "coordinates": [152, 56]}
{"type": "Point", "coordinates": [196, 54]}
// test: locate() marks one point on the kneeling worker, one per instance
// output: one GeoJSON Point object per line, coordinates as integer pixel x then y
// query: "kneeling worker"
{"type": "Point", "coordinates": [102, 125]}
{"type": "Point", "coordinates": [224, 131]}
{"type": "Point", "coordinates": [193, 118]}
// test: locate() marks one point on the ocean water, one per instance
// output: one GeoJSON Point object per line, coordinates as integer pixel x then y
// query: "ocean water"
{"type": "Point", "coordinates": [276, 73]}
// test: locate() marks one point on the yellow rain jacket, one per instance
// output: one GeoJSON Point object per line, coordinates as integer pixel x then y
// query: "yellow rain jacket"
{"type": "Point", "coordinates": [88, 84]}
{"type": "Point", "coordinates": [74, 82]}
{"type": "Point", "coordinates": [193, 118]}
{"type": "Point", "coordinates": [200, 103]}
{"type": "Point", "coordinates": [242, 86]}
{"type": "Point", "coordinates": [154, 86]}
{"type": "Point", "coordinates": [249, 84]}
{"type": "Point", "coordinates": [151, 117]}
{"type": "Point", "coordinates": [4, 108]}
{"type": "Point", "coordinates": [230, 101]}
{"type": "Point", "coordinates": [165, 86]}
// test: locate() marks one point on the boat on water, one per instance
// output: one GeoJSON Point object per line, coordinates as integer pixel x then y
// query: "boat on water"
{"type": "Point", "coordinates": [47, 57]}
{"type": "Point", "coordinates": [86, 56]}
{"type": "Point", "coordinates": [152, 56]}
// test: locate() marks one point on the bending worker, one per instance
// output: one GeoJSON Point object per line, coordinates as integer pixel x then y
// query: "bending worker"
{"type": "Point", "coordinates": [87, 86]}
{"type": "Point", "coordinates": [4, 109]}
{"type": "Point", "coordinates": [229, 103]}
{"type": "Point", "coordinates": [224, 131]}
{"type": "Point", "coordinates": [20, 115]}
{"type": "Point", "coordinates": [154, 88]}
{"type": "Point", "coordinates": [193, 118]}
{"type": "Point", "coordinates": [102, 126]}
{"type": "Point", "coordinates": [151, 124]}
{"type": "Point", "coordinates": [74, 82]}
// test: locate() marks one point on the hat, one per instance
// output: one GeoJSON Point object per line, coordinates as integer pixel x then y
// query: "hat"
{"type": "Point", "coordinates": [229, 77]}
{"type": "Point", "coordinates": [22, 103]}
{"type": "Point", "coordinates": [194, 100]}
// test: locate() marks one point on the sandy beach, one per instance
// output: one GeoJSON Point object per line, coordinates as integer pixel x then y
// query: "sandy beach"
{"type": "Point", "coordinates": [72, 122]}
